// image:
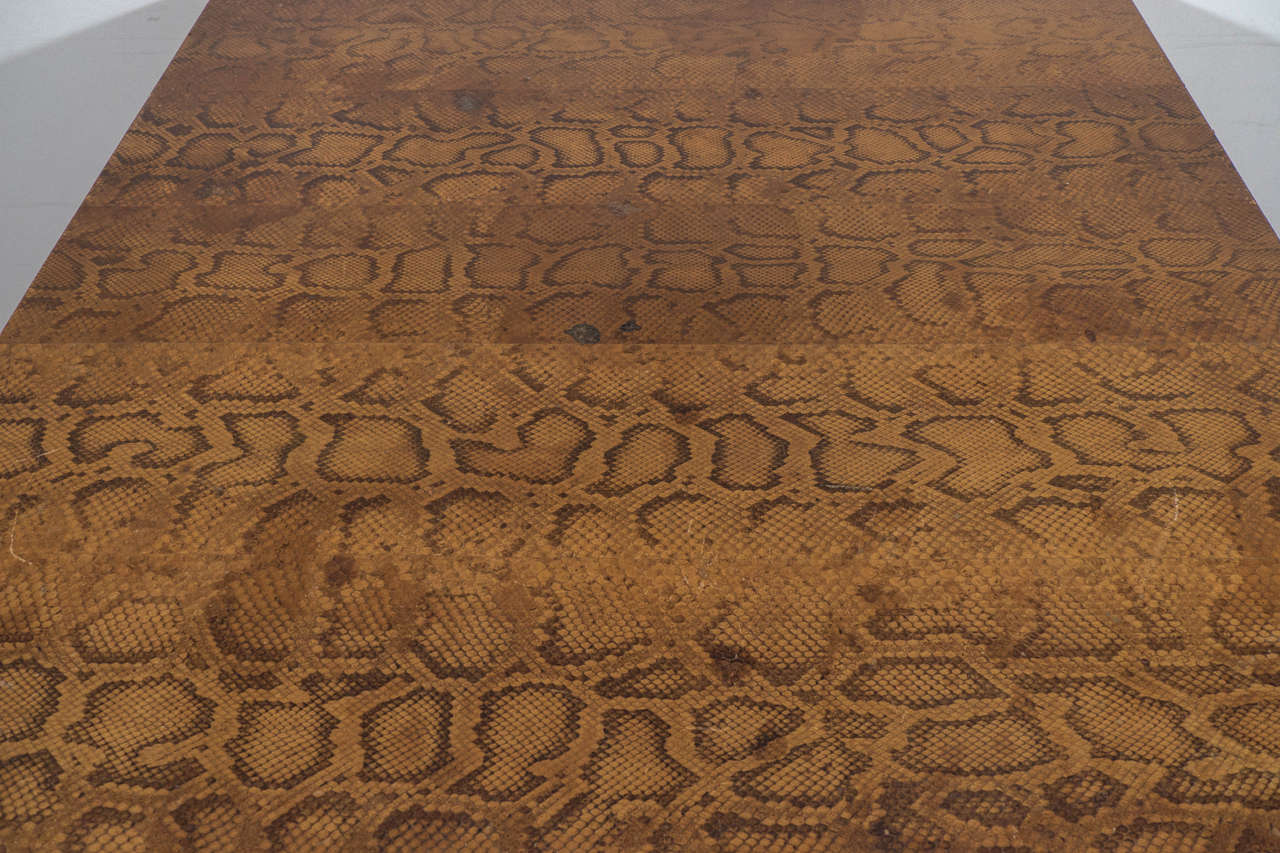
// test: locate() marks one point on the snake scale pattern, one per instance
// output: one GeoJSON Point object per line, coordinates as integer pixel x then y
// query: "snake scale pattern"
{"type": "Point", "coordinates": [762, 425]}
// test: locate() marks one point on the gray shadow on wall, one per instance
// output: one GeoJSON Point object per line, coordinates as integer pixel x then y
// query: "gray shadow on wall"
{"type": "Point", "coordinates": [63, 108]}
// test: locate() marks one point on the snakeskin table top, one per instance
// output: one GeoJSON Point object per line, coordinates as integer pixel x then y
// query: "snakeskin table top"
{"type": "Point", "coordinates": [766, 425]}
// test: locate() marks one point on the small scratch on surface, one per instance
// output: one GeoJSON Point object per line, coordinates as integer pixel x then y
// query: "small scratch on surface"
{"type": "Point", "coordinates": [43, 455]}
{"type": "Point", "coordinates": [13, 532]}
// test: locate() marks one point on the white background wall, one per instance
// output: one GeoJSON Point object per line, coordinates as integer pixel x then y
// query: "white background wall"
{"type": "Point", "coordinates": [74, 73]}
{"type": "Point", "coordinates": [1227, 52]}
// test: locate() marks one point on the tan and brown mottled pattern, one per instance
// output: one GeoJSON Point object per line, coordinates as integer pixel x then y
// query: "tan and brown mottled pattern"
{"type": "Point", "coordinates": [768, 426]}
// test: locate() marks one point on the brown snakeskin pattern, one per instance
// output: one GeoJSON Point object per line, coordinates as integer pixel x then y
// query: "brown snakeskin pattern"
{"type": "Point", "coordinates": [666, 425]}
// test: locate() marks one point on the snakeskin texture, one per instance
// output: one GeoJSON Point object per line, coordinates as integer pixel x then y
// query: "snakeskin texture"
{"type": "Point", "coordinates": [766, 425]}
